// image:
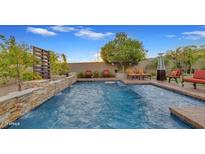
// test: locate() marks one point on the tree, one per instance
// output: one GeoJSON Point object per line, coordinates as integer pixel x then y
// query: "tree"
{"type": "Point", "coordinates": [185, 57]}
{"type": "Point", "coordinates": [64, 68]}
{"type": "Point", "coordinates": [54, 62]}
{"type": "Point", "coordinates": [123, 51]}
{"type": "Point", "coordinates": [16, 59]}
{"type": "Point", "coordinates": [4, 62]}
{"type": "Point", "coordinates": [58, 67]}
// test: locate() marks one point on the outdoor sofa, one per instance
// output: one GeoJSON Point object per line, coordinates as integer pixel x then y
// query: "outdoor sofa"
{"type": "Point", "coordinates": [198, 78]}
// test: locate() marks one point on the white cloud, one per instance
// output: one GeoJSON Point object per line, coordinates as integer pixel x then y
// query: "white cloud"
{"type": "Point", "coordinates": [170, 36]}
{"type": "Point", "coordinates": [194, 35]}
{"type": "Point", "coordinates": [60, 28]}
{"type": "Point", "coordinates": [97, 57]}
{"type": "Point", "coordinates": [90, 34]}
{"type": "Point", "coordinates": [40, 31]}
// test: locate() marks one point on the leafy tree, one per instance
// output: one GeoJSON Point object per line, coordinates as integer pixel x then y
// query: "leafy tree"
{"type": "Point", "coordinates": [186, 57]}
{"type": "Point", "coordinates": [54, 63]}
{"type": "Point", "coordinates": [64, 68]}
{"type": "Point", "coordinates": [58, 67]}
{"type": "Point", "coordinates": [123, 51]}
{"type": "Point", "coordinates": [16, 58]}
{"type": "Point", "coordinates": [4, 65]}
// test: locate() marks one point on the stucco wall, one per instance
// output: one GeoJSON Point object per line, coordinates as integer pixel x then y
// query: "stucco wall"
{"type": "Point", "coordinates": [93, 66]}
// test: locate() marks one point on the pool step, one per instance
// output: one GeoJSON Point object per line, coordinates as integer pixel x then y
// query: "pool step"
{"type": "Point", "coordinates": [195, 116]}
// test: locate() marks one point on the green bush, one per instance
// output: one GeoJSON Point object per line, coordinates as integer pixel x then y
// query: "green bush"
{"type": "Point", "coordinates": [3, 81]}
{"type": "Point", "coordinates": [153, 73]}
{"type": "Point", "coordinates": [36, 76]}
{"type": "Point", "coordinates": [111, 75]}
{"type": "Point", "coordinates": [28, 76]}
{"type": "Point", "coordinates": [80, 75]}
{"type": "Point", "coordinates": [96, 74]}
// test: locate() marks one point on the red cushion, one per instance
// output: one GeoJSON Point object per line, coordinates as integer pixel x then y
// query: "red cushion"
{"type": "Point", "coordinates": [174, 73]}
{"type": "Point", "coordinates": [179, 71]}
{"type": "Point", "coordinates": [194, 80]}
{"type": "Point", "coordinates": [199, 74]}
{"type": "Point", "coordinates": [88, 72]}
{"type": "Point", "coordinates": [106, 71]}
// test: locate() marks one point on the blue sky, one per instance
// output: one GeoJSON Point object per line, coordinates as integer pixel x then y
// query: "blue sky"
{"type": "Point", "coordinates": [83, 43]}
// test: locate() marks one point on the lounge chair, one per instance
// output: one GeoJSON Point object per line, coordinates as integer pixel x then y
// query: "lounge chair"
{"type": "Point", "coordinates": [131, 73]}
{"type": "Point", "coordinates": [137, 73]}
{"type": "Point", "coordinates": [106, 73]}
{"type": "Point", "coordinates": [88, 74]}
{"type": "Point", "coordinates": [143, 74]}
{"type": "Point", "coordinates": [198, 77]}
{"type": "Point", "coordinates": [175, 74]}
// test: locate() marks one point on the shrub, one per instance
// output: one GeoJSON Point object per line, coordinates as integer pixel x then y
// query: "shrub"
{"type": "Point", "coordinates": [80, 75]}
{"type": "Point", "coordinates": [153, 74]}
{"type": "Point", "coordinates": [28, 76]}
{"type": "Point", "coordinates": [36, 76]}
{"type": "Point", "coordinates": [96, 74]}
{"type": "Point", "coordinates": [111, 75]}
{"type": "Point", "coordinates": [3, 81]}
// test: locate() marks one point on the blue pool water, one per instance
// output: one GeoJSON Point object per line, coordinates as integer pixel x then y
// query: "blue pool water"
{"type": "Point", "coordinates": [100, 105]}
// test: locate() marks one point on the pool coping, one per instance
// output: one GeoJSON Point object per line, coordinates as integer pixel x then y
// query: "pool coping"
{"type": "Point", "coordinates": [192, 115]}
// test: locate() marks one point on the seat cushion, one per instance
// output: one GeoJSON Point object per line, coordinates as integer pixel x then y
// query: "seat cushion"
{"type": "Point", "coordinates": [194, 80]}
{"type": "Point", "coordinates": [199, 74]}
{"type": "Point", "coordinates": [174, 73]}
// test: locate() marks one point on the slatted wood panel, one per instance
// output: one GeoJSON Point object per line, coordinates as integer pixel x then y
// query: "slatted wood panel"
{"type": "Point", "coordinates": [43, 68]}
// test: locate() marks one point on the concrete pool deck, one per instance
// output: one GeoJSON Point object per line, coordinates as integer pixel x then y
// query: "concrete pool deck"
{"type": "Point", "coordinates": [195, 116]}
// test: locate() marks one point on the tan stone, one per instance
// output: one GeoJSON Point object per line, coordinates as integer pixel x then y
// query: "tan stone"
{"type": "Point", "coordinates": [18, 103]}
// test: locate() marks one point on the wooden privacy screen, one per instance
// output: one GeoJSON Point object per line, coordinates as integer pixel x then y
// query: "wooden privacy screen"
{"type": "Point", "coordinates": [43, 66]}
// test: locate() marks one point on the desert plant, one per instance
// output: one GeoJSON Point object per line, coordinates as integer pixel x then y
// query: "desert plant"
{"type": "Point", "coordinates": [36, 76]}
{"type": "Point", "coordinates": [28, 76]}
{"type": "Point", "coordinates": [80, 75]}
{"type": "Point", "coordinates": [112, 75]}
{"type": "Point", "coordinates": [95, 74]}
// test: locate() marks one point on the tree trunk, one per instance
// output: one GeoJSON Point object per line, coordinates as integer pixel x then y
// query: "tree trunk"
{"type": "Point", "coordinates": [190, 67]}
{"type": "Point", "coordinates": [18, 77]}
{"type": "Point", "coordinates": [123, 68]}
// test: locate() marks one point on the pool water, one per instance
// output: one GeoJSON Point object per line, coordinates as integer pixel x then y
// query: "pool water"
{"type": "Point", "coordinates": [101, 105]}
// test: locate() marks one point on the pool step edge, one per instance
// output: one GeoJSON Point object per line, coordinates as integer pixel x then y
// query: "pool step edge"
{"type": "Point", "coordinates": [191, 115]}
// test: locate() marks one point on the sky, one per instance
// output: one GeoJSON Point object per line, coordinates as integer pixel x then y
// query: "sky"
{"type": "Point", "coordinates": [82, 43]}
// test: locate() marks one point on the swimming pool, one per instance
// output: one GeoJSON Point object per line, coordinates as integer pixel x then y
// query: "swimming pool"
{"type": "Point", "coordinates": [101, 105]}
